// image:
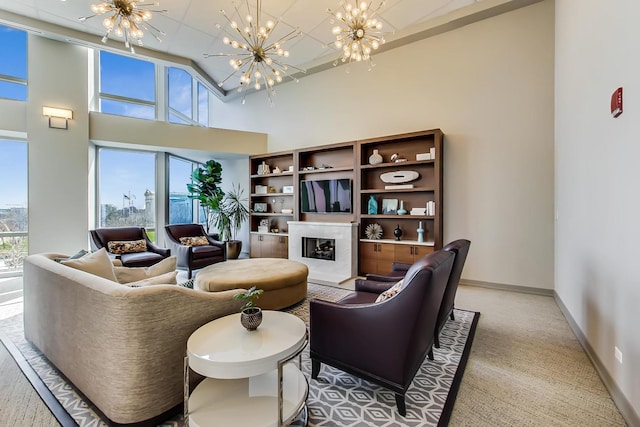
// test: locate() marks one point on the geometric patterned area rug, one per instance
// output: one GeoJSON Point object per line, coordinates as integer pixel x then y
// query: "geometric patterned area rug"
{"type": "Point", "coordinates": [335, 399]}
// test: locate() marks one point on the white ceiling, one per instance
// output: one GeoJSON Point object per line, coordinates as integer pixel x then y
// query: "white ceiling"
{"type": "Point", "coordinates": [191, 30]}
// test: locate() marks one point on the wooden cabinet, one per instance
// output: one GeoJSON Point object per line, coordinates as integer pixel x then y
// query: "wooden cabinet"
{"type": "Point", "coordinates": [375, 257]}
{"type": "Point", "coordinates": [269, 246]}
{"type": "Point", "coordinates": [409, 254]}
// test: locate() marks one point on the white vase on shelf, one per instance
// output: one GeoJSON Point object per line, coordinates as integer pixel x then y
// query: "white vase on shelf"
{"type": "Point", "coordinates": [375, 158]}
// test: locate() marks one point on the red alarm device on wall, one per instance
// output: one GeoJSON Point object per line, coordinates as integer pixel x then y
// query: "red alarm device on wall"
{"type": "Point", "coordinates": [616, 102]}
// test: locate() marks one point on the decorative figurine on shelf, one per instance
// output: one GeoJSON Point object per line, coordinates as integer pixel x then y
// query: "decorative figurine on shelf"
{"type": "Point", "coordinates": [397, 232]}
{"type": "Point", "coordinates": [277, 170]}
{"type": "Point", "coordinates": [420, 231]}
{"type": "Point", "coordinates": [402, 210]}
{"type": "Point", "coordinates": [396, 158]}
{"type": "Point", "coordinates": [263, 169]}
{"type": "Point", "coordinates": [373, 205]}
{"type": "Point", "coordinates": [375, 158]}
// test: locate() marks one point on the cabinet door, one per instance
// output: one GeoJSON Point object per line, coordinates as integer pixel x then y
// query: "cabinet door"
{"type": "Point", "coordinates": [420, 251]}
{"type": "Point", "coordinates": [279, 247]}
{"type": "Point", "coordinates": [404, 254]}
{"type": "Point", "coordinates": [255, 246]}
{"type": "Point", "coordinates": [368, 257]}
{"type": "Point", "coordinates": [386, 255]}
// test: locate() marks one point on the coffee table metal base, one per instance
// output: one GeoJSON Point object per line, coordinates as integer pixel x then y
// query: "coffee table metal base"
{"type": "Point", "coordinates": [247, 401]}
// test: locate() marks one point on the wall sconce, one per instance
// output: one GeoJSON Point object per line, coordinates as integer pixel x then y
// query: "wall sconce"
{"type": "Point", "coordinates": [58, 117]}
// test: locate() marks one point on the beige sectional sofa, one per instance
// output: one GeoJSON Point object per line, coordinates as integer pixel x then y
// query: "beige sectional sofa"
{"type": "Point", "coordinates": [122, 347]}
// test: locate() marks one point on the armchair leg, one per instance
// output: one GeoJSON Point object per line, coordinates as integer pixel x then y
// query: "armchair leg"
{"type": "Point", "coordinates": [436, 341]}
{"type": "Point", "coordinates": [430, 355]}
{"type": "Point", "coordinates": [451, 315]}
{"type": "Point", "coordinates": [315, 368]}
{"type": "Point", "coordinates": [189, 274]}
{"type": "Point", "coordinates": [402, 408]}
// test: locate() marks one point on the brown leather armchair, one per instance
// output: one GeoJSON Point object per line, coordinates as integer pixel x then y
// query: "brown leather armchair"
{"type": "Point", "coordinates": [194, 257]}
{"type": "Point", "coordinates": [384, 342]}
{"type": "Point", "coordinates": [100, 238]}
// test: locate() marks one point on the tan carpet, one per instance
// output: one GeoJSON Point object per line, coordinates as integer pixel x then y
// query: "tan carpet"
{"type": "Point", "coordinates": [527, 368]}
{"type": "Point", "coordinates": [20, 405]}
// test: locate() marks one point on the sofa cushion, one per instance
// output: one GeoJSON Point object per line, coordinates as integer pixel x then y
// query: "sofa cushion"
{"type": "Point", "coordinates": [97, 263]}
{"type": "Point", "coordinates": [133, 274]}
{"type": "Point", "coordinates": [127, 246]}
{"type": "Point", "coordinates": [391, 292]}
{"type": "Point", "coordinates": [194, 241]}
{"type": "Point", "coordinates": [163, 279]}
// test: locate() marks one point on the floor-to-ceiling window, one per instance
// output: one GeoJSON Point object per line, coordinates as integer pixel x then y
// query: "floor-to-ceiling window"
{"type": "Point", "coordinates": [13, 205]}
{"type": "Point", "coordinates": [181, 207]}
{"type": "Point", "coordinates": [126, 189]}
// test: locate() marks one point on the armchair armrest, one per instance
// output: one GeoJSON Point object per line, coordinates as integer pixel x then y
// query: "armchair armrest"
{"type": "Point", "coordinates": [400, 266]}
{"type": "Point", "coordinates": [374, 286]}
{"type": "Point", "coordinates": [381, 278]}
{"type": "Point", "coordinates": [157, 249]}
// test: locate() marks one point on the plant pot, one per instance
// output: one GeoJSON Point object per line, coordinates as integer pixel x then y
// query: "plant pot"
{"type": "Point", "coordinates": [251, 318]}
{"type": "Point", "coordinates": [233, 249]}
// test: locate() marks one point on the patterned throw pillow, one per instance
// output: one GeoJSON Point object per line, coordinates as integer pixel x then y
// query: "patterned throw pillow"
{"type": "Point", "coordinates": [133, 274]}
{"type": "Point", "coordinates": [127, 246]}
{"type": "Point", "coordinates": [391, 292]}
{"type": "Point", "coordinates": [194, 241]}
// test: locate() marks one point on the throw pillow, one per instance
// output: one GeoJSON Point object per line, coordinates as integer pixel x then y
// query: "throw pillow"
{"type": "Point", "coordinates": [77, 255]}
{"type": "Point", "coordinates": [97, 263]}
{"type": "Point", "coordinates": [127, 246]}
{"type": "Point", "coordinates": [133, 274]}
{"type": "Point", "coordinates": [391, 292]}
{"type": "Point", "coordinates": [194, 241]}
{"type": "Point", "coordinates": [163, 279]}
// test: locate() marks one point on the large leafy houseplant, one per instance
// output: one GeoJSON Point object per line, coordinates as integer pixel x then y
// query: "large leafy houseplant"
{"type": "Point", "coordinates": [205, 187]}
{"type": "Point", "coordinates": [232, 212]}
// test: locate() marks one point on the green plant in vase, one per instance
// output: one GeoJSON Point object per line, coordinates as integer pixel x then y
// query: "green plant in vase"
{"type": "Point", "coordinates": [250, 316]}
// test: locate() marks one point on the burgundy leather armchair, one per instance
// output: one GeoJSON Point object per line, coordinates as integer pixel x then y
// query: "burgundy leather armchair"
{"type": "Point", "coordinates": [194, 257]}
{"type": "Point", "coordinates": [384, 342]}
{"type": "Point", "coordinates": [460, 248]}
{"type": "Point", "coordinates": [100, 238]}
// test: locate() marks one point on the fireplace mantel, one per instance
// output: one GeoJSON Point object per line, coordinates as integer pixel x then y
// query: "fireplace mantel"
{"type": "Point", "coordinates": [323, 271]}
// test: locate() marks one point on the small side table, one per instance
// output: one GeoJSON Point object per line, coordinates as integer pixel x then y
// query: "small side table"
{"type": "Point", "coordinates": [249, 378]}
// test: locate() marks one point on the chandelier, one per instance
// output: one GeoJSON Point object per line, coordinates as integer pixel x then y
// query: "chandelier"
{"type": "Point", "coordinates": [258, 61]}
{"type": "Point", "coordinates": [127, 20]}
{"type": "Point", "coordinates": [358, 31]}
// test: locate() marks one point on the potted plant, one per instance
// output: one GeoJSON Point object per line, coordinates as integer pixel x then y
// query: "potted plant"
{"type": "Point", "coordinates": [205, 188]}
{"type": "Point", "coordinates": [229, 216]}
{"type": "Point", "coordinates": [250, 316]}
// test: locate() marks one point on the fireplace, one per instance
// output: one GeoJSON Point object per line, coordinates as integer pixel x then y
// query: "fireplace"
{"type": "Point", "coordinates": [318, 248]}
{"type": "Point", "coordinates": [328, 249]}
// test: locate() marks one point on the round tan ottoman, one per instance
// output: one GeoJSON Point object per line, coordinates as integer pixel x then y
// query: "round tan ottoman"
{"type": "Point", "coordinates": [284, 281]}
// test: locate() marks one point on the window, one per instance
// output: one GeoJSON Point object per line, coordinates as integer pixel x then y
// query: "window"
{"type": "Point", "coordinates": [181, 207]}
{"type": "Point", "coordinates": [126, 189]}
{"type": "Point", "coordinates": [188, 98]}
{"type": "Point", "coordinates": [13, 205]}
{"type": "Point", "coordinates": [127, 86]}
{"type": "Point", "coordinates": [13, 64]}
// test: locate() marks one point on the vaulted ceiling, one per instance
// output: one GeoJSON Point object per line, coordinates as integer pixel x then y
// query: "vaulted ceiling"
{"type": "Point", "coordinates": [196, 27]}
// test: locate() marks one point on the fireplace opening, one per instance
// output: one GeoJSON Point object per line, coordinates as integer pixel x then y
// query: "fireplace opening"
{"type": "Point", "coordinates": [313, 247]}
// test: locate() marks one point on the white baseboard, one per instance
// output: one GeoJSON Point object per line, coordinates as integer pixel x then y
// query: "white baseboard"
{"type": "Point", "coordinates": [512, 288]}
{"type": "Point", "coordinates": [626, 409]}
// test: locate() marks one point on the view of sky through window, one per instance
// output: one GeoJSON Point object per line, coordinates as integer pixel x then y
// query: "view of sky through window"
{"type": "Point", "coordinates": [13, 169]}
{"type": "Point", "coordinates": [13, 63]}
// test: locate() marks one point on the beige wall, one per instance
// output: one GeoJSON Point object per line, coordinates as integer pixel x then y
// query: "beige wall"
{"type": "Point", "coordinates": [489, 87]}
{"type": "Point", "coordinates": [597, 233]}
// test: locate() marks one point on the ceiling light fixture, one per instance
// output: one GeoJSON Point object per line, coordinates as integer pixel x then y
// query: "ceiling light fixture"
{"type": "Point", "coordinates": [259, 62]}
{"type": "Point", "coordinates": [128, 20]}
{"type": "Point", "coordinates": [357, 33]}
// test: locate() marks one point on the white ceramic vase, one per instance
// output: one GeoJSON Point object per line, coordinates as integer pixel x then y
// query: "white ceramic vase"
{"type": "Point", "coordinates": [375, 158]}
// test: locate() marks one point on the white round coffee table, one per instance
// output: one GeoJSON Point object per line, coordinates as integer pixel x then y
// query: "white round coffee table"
{"type": "Point", "coordinates": [249, 380]}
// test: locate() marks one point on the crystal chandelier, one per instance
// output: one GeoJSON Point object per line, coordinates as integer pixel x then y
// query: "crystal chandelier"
{"type": "Point", "coordinates": [257, 61]}
{"type": "Point", "coordinates": [127, 20]}
{"type": "Point", "coordinates": [358, 31]}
